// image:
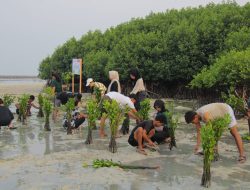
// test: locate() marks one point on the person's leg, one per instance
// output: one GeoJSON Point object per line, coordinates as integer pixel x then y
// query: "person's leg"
{"type": "Point", "coordinates": [102, 124]}
{"type": "Point", "coordinates": [11, 125]}
{"type": "Point", "coordinates": [238, 140]}
{"type": "Point", "coordinates": [138, 137]}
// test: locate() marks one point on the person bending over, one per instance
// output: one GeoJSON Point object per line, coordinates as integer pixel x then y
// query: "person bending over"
{"type": "Point", "coordinates": [6, 116]}
{"type": "Point", "coordinates": [210, 112]}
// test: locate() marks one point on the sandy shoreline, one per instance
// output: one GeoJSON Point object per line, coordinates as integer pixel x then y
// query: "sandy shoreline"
{"type": "Point", "coordinates": [31, 158]}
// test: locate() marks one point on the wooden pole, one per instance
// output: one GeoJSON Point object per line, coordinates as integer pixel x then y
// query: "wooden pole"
{"type": "Point", "coordinates": [73, 83]}
{"type": "Point", "coordinates": [80, 87]}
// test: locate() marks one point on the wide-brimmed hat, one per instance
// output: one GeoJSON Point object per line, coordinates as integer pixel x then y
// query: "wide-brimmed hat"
{"type": "Point", "coordinates": [89, 80]}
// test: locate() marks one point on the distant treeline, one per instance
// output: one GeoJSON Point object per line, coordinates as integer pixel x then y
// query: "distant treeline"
{"type": "Point", "coordinates": [169, 48]}
{"type": "Point", "coordinates": [17, 77]}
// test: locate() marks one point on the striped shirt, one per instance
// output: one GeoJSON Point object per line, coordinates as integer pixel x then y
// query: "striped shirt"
{"type": "Point", "coordinates": [101, 87]}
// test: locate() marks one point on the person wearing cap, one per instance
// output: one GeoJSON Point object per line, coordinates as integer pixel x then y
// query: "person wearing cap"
{"type": "Point", "coordinates": [213, 111]}
{"type": "Point", "coordinates": [92, 84]}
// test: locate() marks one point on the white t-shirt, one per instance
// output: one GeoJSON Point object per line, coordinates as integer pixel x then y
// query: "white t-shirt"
{"type": "Point", "coordinates": [121, 99]}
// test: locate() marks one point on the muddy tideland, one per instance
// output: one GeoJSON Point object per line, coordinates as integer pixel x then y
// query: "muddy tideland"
{"type": "Point", "coordinates": [31, 158]}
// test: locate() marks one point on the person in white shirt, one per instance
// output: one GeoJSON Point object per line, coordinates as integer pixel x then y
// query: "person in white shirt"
{"type": "Point", "coordinates": [123, 101]}
{"type": "Point", "coordinates": [210, 112]}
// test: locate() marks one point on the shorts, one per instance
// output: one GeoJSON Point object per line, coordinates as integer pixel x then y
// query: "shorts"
{"type": "Point", "coordinates": [233, 119]}
{"type": "Point", "coordinates": [5, 122]}
{"type": "Point", "coordinates": [132, 141]}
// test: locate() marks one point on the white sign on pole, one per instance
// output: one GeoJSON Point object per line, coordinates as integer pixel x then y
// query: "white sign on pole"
{"type": "Point", "coordinates": [76, 64]}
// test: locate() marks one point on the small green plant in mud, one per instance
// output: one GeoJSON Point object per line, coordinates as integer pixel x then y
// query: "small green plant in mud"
{"type": "Point", "coordinates": [219, 125]}
{"type": "Point", "coordinates": [66, 77]}
{"type": "Point", "coordinates": [145, 107]}
{"type": "Point", "coordinates": [93, 114]}
{"type": "Point", "coordinates": [8, 99]}
{"type": "Point", "coordinates": [116, 115]}
{"type": "Point", "coordinates": [48, 93]}
{"type": "Point", "coordinates": [68, 108]}
{"type": "Point", "coordinates": [47, 109]}
{"type": "Point", "coordinates": [23, 102]}
{"type": "Point", "coordinates": [100, 163]}
{"type": "Point", "coordinates": [246, 137]}
{"type": "Point", "coordinates": [208, 144]}
{"type": "Point", "coordinates": [172, 124]}
{"type": "Point", "coordinates": [97, 94]}
{"type": "Point", "coordinates": [40, 101]}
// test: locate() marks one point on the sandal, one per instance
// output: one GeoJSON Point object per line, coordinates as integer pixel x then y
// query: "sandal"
{"type": "Point", "coordinates": [141, 151]}
{"type": "Point", "coordinates": [242, 159]}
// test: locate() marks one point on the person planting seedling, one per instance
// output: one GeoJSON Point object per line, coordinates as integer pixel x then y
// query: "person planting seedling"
{"type": "Point", "coordinates": [116, 116]}
{"type": "Point", "coordinates": [40, 101]}
{"type": "Point", "coordinates": [213, 111]}
{"type": "Point", "coordinates": [93, 113]}
{"type": "Point", "coordinates": [22, 111]}
{"type": "Point", "coordinates": [47, 108]}
{"type": "Point", "coordinates": [8, 100]}
{"type": "Point", "coordinates": [208, 144]}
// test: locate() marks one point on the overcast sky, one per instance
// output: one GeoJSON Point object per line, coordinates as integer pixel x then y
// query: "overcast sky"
{"type": "Point", "coordinates": [30, 30]}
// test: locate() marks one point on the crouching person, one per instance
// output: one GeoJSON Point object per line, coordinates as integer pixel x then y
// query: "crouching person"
{"type": "Point", "coordinates": [6, 116]}
{"type": "Point", "coordinates": [144, 131]}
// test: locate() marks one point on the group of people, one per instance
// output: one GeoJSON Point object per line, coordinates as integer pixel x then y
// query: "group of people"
{"type": "Point", "coordinates": [146, 133]}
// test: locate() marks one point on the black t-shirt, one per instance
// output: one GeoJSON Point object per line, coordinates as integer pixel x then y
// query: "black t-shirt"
{"type": "Point", "coordinates": [5, 116]}
{"type": "Point", "coordinates": [63, 96]}
{"type": "Point", "coordinates": [147, 125]}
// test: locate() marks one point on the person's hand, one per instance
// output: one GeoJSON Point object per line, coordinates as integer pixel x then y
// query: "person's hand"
{"type": "Point", "coordinates": [152, 144]}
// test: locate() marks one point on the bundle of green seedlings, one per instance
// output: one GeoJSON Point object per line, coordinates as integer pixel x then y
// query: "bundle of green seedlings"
{"type": "Point", "coordinates": [109, 163]}
{"type": "Point", "coordinates": [219, 125]}
{"type": "Point", "coordinates": [40, 101]}
{"type": "Point", "coordinates": [172, 124]}
{"type": "Point", "coordinates": [23, 101]}
{"type": "Point", "coordinates": [69, 107]}
{"type": "Point", "coordinates": [8, 99]}
{"type": "Point", "coordinates": [116, 115]}
{"type": "Point", "coordinates": [66, 76]}
{"type": "Point", "coordinates": [145, 107]}
{"type": "Point", "coordinates": [208, 144]}
{"type": "Point", "coordinates": [48, 93]}
{"type": "Point", "coordinates": [93, 114]}
{"type": "Point", "coordinates": [98, 94]}
{"type": "Point", "coordinates": [47, 109]}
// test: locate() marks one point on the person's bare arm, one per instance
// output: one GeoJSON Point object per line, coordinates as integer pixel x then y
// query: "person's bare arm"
{"type": "Point", "coordinates": [206, 117]}
{"type": "Point", "coordinates": [132, 114]}
{"type": "Point", "coordinates": [34, 106]}
{"type": "Point", "coordinates": [146, 138]}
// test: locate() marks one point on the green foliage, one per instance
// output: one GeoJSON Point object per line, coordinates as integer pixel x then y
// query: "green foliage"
{"type": "Point", "coordinates": [231, 69]}
{"type": "Point", "coordinates": [98, 94]}
{"type": "Point", "coordinates": [69, 107]}
{"type": "Point", "coordinates": [48, 93]}
{"type": "Point", "coordinates": [172, 123]}
{"type": "Point", "coordinates": [171, 46]}
{"type": "Point", "coordinates": [246, 137]}
{"type": "Point", "coordinates": [144, 109]}
{"type": "Point", "coordinates": [66, 77]}
{"type": "Point", "coordinates": [208, 144]}
{"type": "Point", "coordinates": [23, 102]}
{"type": "Point", "coordinates": [47, 108]}
{"type": "Point", "coordinates": [40, 101]}
{"type": "Point", "coordinates": [219, 125]}
{"type": "Point", "coordinates": [237, 103]}
{"type": "Point", "coordinates": [8, 99]}
{"type": "Point", "coordinates": [93, 112]}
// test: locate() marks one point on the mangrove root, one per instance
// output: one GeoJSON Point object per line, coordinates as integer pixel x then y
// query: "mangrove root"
{"type": "Point", "coordinates": [206, 177]}
{"type": "Point", "coordinates": [112, 145]}
{"type": "Point", "coordinates": [47, 127]}
{"type": "Point", "coordinates": [89, 137]}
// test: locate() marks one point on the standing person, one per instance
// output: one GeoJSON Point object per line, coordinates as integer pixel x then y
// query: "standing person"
{"type": "Point", "coordinates": [96, 85]}
{"type": "Point", "coordinates": [139, 89]}
{"type": "Point", "coordinates": [57, 89]}
{"type": "Point", "coordinates": [161, 133]}
{"type": "Point", "coordinates": [6, 116]}
{"type": "Point", "coordinates": [114, 85]}
{"type": "Point", "coordinates": [123, 101]}
{"type": "Point", "coordinates": [213, 111]}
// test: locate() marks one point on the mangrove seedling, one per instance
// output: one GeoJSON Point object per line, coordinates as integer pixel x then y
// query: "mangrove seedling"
{"type": "Point", "coordinates": [40, 101]}
{"type": "Point", "coordinates": [172, 124]}
{"type": "Point", "coordinates": [66, 76]}
{"type": "Point", "coordinates": [8, 99]}
{"type": "Point", "coordinates": [219, 125]}
{"type": "Point", "coordinates": [208, 144]}
{"type": "Point", "coordinates": [116, 115]}
{"type": "Point", "coordinates": [97, 94]}
{"type": "Point", "coordinates": [93, 114]}
{"type": "Point", "coordinates": [69, 107]}
{"type": "Point", "coordinates": [47, 108]}
{"type": "Point", "coordinates": [144, 109]}
{"type": "Point", "coordinates": [48, 93]}
{"type": "Point", "coordinates": [23, 101]}
{"type": "Point", "coordinates": [99, 163]}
